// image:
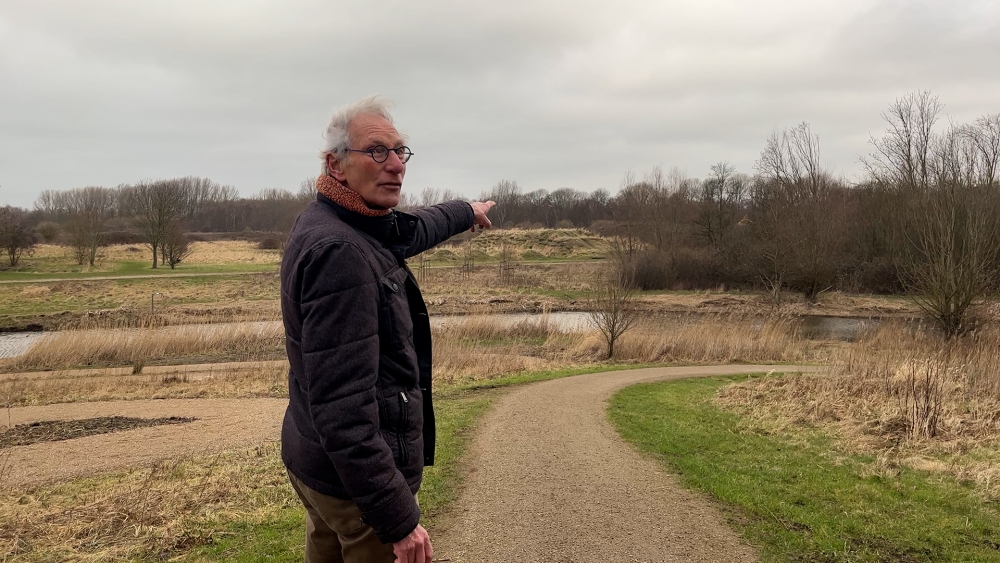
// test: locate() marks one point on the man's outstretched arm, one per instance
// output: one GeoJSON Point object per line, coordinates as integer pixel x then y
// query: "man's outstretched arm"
{"type": "Point", "coordinates": [438, 223]}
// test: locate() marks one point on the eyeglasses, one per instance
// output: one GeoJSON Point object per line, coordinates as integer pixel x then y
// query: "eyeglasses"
{"type": "Point", "coordinates": [380, 153]}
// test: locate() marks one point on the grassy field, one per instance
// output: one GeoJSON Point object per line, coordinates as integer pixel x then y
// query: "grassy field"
{"type": "Point", "coordinates": [54, 261]}
{"type": "Point", "coordinates": [799, 495]}
{"type": "Point", "coordinates": [233, 280]}
{"type": "Point", "coordinates": [231, 256]}
{"type": "Point", "coordinates": [136, 294]}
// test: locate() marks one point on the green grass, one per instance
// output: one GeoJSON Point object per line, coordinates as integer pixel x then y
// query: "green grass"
{"type": "Point", "coordinates": [129, 269]}
{"type": "Point", "coordinates": [797, 496]}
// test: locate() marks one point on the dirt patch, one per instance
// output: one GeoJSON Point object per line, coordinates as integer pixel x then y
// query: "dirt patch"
{"type": "Point", "coordinates": [220, 425]}
{"type": "Point", "coordinates": [56, 430]}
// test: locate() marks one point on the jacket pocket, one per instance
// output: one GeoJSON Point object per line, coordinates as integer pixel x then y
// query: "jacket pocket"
{"type": "Point", "coordinates": [404, 452]}
{"type": "Point", "coordinates": [400, 325]}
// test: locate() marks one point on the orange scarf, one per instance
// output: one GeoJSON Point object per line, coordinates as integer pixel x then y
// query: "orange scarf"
{"type": "Point", "coordinates": [346, 197]}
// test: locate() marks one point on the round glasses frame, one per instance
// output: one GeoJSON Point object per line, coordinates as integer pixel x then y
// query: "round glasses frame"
{"type": "Point", "coordinates": [380, 153]}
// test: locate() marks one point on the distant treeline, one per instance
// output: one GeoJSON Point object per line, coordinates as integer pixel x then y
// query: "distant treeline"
{"type": "Point", "coordinates": [925, 218]}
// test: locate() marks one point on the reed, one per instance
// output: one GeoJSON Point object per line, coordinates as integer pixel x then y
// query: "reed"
{"type": "Point", "coordinates": [472, 348]}
{"type": "Point", "coordinates": [724, 338]}
{"type": "Point", "coordinates": [253, 379]}
{"type": "Point", "coordinates": [140, 347]}
{"type": "Point", "coordinates": [905, 394]}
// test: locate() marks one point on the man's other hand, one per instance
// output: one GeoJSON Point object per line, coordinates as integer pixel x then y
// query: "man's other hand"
{"type": "Point", "coordinates": [479, 211]}
{"type": "Point", "coordinates": [416, 547]}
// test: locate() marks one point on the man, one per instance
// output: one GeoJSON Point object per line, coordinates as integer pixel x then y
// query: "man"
{"type": "Point", "coordinates": [359, 425]}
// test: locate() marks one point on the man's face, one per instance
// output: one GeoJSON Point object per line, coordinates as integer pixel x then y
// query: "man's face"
{"type": "Point", "coordinates": [378, 183]}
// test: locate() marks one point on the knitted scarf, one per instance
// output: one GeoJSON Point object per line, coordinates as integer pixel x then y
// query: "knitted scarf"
{"type": "Point", "coordinates": [346, 197]}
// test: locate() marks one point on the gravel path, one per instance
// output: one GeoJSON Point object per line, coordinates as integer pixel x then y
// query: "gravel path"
{"type": "Point", "coordinates": [552, 482]}
{"type": "Point", "coordinates": [222, 424]}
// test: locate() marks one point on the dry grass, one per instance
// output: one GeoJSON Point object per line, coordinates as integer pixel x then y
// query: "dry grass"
{"type": "Point", "coordinates": [526, 281]}
{"type": "Point", "coordinates": [717, 339]}
{"type": "Point", "coordinates": [265, 379]}
{"type": "Point", "coordinates": [73, 301]}
{"type": "Point", "coordinates": [139, 347]}
{"type": "Point", "coordinates": [144, 513]}
{"type": "Point", "coordinates": [527, 244]}
{"type": "Point", "coordinates": [906, 394]}
{"type": "Point", "coordinates": [231, 252]}
{"type": "Point", "coordinates": [482, 348]}
{"type": "Point", "coordinates": [223, 252]}
{"type": "Point", "coordinates": [471, 348]}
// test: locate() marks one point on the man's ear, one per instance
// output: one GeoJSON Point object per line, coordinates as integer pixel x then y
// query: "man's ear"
{"type": "Point", "coordinates": [335, 169]}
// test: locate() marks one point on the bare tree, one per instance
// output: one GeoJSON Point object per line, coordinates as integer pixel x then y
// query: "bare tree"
{"type": "Point", "coordinates": [615, 311]}
{"type": "Point", "coordinates": [982, 149]}
{"type": "Point", "coordinates": [507, 194]}
{"type": "Point", "coordinates": [798, 214]}
{"type": "Point", "coordinates": [951, 252]}
{"type": "Point", "coordinates": [945, 215]}
{"type": "Point", "coordinates": [16, 236]}
{"type": "Point", "coordinates": [722, 195]}
{"type": "Point", "coordinates": [155, 206]}
{"type": "Point", "coordinates": [655, 210]}
{"type": "Point", "coordinates": [902, 155]}
{"type": "Point", "coordinates": [87, 210]}
{"type": "Point", "coordinates": [307, 190]}
{"type": "Point", "coordinates": [175, 247]}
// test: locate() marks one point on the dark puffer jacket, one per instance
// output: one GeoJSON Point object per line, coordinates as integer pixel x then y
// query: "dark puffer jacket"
{"type": "Point", "coordinates": [359, 423]}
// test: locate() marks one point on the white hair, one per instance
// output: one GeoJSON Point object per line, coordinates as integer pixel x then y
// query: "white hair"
{"type": "Point", "coordinates": [337, 138]}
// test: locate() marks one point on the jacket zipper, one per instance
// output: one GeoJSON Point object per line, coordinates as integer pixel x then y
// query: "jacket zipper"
{"type": "Point", "coordinates": [404, 455]}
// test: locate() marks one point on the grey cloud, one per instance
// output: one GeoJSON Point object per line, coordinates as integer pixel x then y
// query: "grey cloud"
{"type": "Point", "coordinates": [550, 94]}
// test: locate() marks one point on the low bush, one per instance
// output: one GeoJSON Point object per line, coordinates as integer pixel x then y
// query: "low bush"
{"type": "Point", "coordinates": [123, 237]}
{"type": "Point", "coordinates": [272, 242]}
{"type": "Point", "coordinates": [652, 271]}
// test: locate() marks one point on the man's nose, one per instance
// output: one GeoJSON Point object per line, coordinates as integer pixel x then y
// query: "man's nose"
{"type": "Point", "coordinates": [394, 164]}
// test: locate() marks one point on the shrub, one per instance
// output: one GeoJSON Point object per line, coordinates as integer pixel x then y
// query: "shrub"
{"type": "Point", "coordinates": [697, 270]}
{"type": "Point", "coordinates": [605, 228]}
{"type": "Point", "coordinates": [48, 231]}
{"type": "Point", "coordinates": [16, 237]}
{"type": "Point", "coordinates": [270, 242]}
{"type": "Point", "coordinates": [123, 237]}
{"type": "Point", "coordinates": [175, 247]}
{"type": "Point", "coordinates": [875, 276]}
{"type": "Point", "coordinates": [652, 271]}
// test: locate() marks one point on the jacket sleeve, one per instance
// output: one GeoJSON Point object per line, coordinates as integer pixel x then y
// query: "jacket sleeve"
{"type": "Point", "coordinates": [340, 354]}
{"type": "Point", "coordinates": [438, 223]}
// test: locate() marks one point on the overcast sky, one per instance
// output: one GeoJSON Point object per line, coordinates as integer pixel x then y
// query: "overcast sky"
{"type": "Point", "coordinates": [548, 93]}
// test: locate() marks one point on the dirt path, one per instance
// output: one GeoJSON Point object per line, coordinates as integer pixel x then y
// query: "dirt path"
{"type": "Point", "coordinates": [552, 482]}
{"type": "Point", "coordinates": [222, 424]}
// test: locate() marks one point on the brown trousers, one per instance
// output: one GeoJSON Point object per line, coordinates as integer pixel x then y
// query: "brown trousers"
{"type": "Point", "coordinates": [335, 532]}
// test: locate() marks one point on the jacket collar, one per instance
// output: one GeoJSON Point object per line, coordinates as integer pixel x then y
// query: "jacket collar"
{"type": "Point", "coordinates": [394, 231]}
